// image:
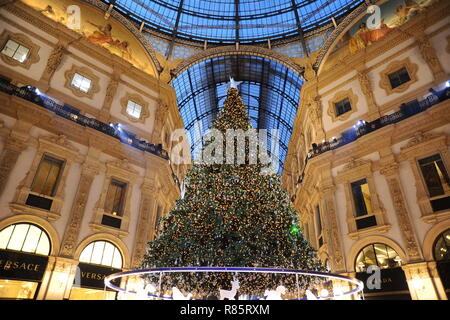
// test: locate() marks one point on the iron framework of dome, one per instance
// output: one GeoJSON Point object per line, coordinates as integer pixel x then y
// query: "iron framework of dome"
{"type": "Point", "coordinates": [178, 29]}
{"type": "Point", "coordinates": [231, 21]}
{"type": "Point", "coordinates": [269, 89]}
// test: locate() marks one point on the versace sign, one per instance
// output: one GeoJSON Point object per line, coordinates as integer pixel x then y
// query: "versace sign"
{"type": "Point", "coordinates": [93, 276]}
{"type": "Point", "coordinates": [22, 266]}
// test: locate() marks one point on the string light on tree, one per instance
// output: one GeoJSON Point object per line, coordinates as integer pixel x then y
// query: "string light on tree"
{"type": "Point", "coordinates": [231, 215]}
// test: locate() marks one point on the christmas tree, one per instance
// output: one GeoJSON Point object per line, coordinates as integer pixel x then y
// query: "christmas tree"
{"type": "Point", "coordinates": [231, 215]}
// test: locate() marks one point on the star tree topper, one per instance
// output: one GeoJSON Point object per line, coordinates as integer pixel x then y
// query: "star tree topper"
{"type": "Point", "coordinates": [233, 83]}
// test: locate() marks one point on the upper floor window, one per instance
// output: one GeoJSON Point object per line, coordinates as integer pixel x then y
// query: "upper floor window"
{"type": "Point", "coordinates": [16, 51]}
{"type": "Point", "coordinates": [442, 247]}
{"type": "Point", "coordinates": [25, 237]}
{"type": "Point", "coordinates": [363, 204]}
{"type": "Point", "coordinates": [134, 109]}
{"type": "Point", "coordinates": [102, 253]}
{"type": "Point", "coordinates": [343, 106]}
{"type": "Point", "coordinates": [81, 82]}
{"type": "Point", "coordinates": [361, 197]}
{"type": "Point", "coordinates": [47, 176]}
{"type": "Point", "coordinates": [115, 197]}
{"type": "Point", "coordinates": [377, 254]}
{"type": "Point", "coordinates": [435, 175]}
{"type": "Point", "coordinates": [399, 77]}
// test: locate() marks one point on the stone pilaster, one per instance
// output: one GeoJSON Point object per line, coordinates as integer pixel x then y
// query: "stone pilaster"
{"type": "Point", "coordinates": [429, 54]}
{"type": "Point", "coordinates": [162, 113]}
{"type": "Point", "coordinates": [90, 169]}
{"type": "Point", "coordinates": [436, 278]}
{"type": "Point", "coordinates": [53, 62]}
{"type": "Point", "coordinates": [332, 230]}
{"type": "Point", "coordinates": [111, 91]}
{"type": "Point", "coordinates": [366, 88]}
{"type": "Point", "coordinates": [391, 174]}
{"type": "Point", "coordinates": [315, 106]}
{"type": "Point", "coordinates": [14, 145]}
{"type": "Point", "coordinates": [421, 282]}
{"type": "Point", "coordinates": [144, 230]}
{"type": "Point", "coordinates": [58, 279]}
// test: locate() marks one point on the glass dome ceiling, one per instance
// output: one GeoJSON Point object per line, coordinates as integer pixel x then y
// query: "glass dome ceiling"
{"type": "Point", "coordinates": [230, 21]}
{"type": "Point", "coordinates": [269, 89]}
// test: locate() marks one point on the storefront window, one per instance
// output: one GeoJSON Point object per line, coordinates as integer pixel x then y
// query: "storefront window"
{"type": "Point", "coordinates": [13, 289]}
{"type": "Point", "coordinates": [103, 253]}
{"type": "Point", "coordinates": [91, 294]}
{"type": "Point", "coordinates": [377, 254]}
{"type": "Point", "coordinates": [26, 238]}
{"type": "Point", "coordinates": [98, 260]}
{"type": "Point", "coordinates": [23, 259]}
{"type": "Point", "coordinates": [442, 247]}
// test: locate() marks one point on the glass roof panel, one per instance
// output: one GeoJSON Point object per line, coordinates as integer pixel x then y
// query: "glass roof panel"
{"type": "Point", "coordinates": [270, 90]}
{"type": "Point", "coordinates": [228, 21]}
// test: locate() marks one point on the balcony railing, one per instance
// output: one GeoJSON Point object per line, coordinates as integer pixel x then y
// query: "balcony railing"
{"type": "Point", "coordinates": [31, 94]}
{"type": "Point", "coordinates": [361, 128]}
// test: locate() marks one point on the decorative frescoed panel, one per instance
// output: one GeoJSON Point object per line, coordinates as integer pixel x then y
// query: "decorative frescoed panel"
{"type": "Point", "coordinates": [394, 13]}
{"type": "Point", "coordinates": [91, 23]}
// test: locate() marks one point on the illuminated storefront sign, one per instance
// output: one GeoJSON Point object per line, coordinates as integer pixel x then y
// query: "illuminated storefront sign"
{"type": "Point", "coordinates": [392, 282]}
{"type": "Point", "coordinates": [92, 276]}
{"type": "Point", "coordinates": [22, 266]}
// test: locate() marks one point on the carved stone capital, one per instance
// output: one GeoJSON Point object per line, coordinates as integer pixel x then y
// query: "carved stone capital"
{"type": "Point", "coordinates": [328, 190]}
{"type": "Point", "coordinates": [390, 169]}
{"type": "Point", "coordinates": [15, 144]}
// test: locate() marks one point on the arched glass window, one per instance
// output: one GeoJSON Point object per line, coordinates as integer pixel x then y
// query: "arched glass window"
{"type": "Point", "coordinates": [377, 254]}
{"type": "Point", "coordinates": [25, 237]}
{"type": "Point", "coordinates": [103, 253]}
{"type": "Point", "coordinates": [442, 247]}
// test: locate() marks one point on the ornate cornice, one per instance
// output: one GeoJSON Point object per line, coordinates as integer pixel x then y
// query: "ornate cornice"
{"type": "Point", "coordinates": [60, 140]}
{"type": "Point", "coordinates": [122, 164]}
{"type": "Point", "coordinates": [418, 138]}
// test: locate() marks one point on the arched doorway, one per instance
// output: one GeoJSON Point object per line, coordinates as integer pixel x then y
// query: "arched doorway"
{"type": "Point", "coordinates": [379, 267]}
{"type": "Point", "coordinates": [441, 252]}
{"type": "Point", "coordinates": [24, 250]}
{"type": "Point", "coordinates": [97, 260]}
